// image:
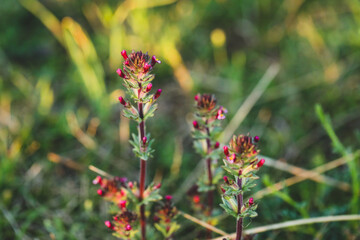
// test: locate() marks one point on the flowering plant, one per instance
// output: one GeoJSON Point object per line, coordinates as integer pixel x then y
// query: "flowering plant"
{"type": "Point", "coordinates": [240, 163]}
{"type": "Point", "coordinates": [131, 198]}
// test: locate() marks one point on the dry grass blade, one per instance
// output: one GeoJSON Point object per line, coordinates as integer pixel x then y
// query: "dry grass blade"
{"type": "Point", "coordinates": [294, 223]}
{"type": "Point", "coordinates": [53, 157]}
{"type": "Point", "coordinates": [296, 179]}
{"type": "Point", "coordinates": [250, 101]}
{"type": "Point", "coordinates": [309, 174]}
{"type": "Point", "coordinates": [202, 223]}
{"type": "Point", "coordinates": [100, 172]}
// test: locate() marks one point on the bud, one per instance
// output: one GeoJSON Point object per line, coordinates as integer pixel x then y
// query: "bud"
{"type": "Point", "coordinates": [256, 139]}
{"type": "Point", "coordinates": [146, 67]}
{"type": "Point", "coordinates": [122, 101]}
{"type": "Point", "coordinates": [100, 192]}
{"type": "Point", "coordinates": [128, 227]}
{"type": "Point", "coordinates": [109, 224]}
{"type": "Point", "coordinates": [226, 180]}
{"type": "Point", "coordinates": [168, 197]}
{"type": "Point", "coordinates": [261, 162]}
{"type": "Point", "coordinates": [196, 97]}
{"type": "Point", "coordinates": [195, 124]}
{"type": "Point", "coordinates": [120, 73]}
{"type": "Point", "coordinates": [131, 185]}
{"type": "Point", "coordinates": [144, 139]}
{"type": "Point", "coordinates": [148, 87]}
{"type": "Point", "coordinates": [127, 63]}
{"type": "Point", "coordinates": [217, 145]}
{"type": "Point", "coordinates": [154, 60]}
{"type": "Point", "coordinates": [226, 150]}
{"type": "Point", "coordinates": [124, 54]}
{"type": "Point", "coordinates": [157, 94]}
{"type": "Point", "coordinates": [251, 201]}
{"type": "Point", "coordinates": [97, 180]}
{"type": "Point", "coordinates": [223, 190]}
{"type": "Point", "coordinates": [196, 199]}
{"type": "Point", "coordinates": [157, 186]}
{"type": "Point", "coordinates": [122, 204]}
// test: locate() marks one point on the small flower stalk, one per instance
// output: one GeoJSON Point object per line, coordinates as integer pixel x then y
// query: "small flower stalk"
{"type": "Point", "coordinates": [206, 128]}
{"type": "Point", "coordinates": [131, 198]}
{"type": "Point", "coordinates": [240, 163]}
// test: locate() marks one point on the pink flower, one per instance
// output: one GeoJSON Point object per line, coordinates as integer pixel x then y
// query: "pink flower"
{"type": "Point", "coordinates": [124, 54]}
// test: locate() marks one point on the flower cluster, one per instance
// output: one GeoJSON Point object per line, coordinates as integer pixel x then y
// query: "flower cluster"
{"type": "Point", "coordinates": [164, 218]}
{"type": "Point", "coordinates": [119, 192]}
{"type": "Point", "coordinates": [124, 195]}
{"type": "Point", "coordinates": [240, 163]}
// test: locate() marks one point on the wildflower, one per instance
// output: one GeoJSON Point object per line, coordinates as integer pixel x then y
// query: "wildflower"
{"type": "Point", "coordinates": [195, 124]}
{"type": "Point", "coordinates": [124, 54]}
{"type": "Point", "coordinates": [251, 201]}
{"type": "Point", "coordinates": [154, 60]}
{"type": "Point", "coordinates": [122, 101]}
{"type": "Point", "coordinates": [226, 151]}
{"type": "Point", "coordinates": [260, 163]}
{"type": "Point", "coordinates": [157, 94]}
{"type": "Point", "coordinates": [120, 73]}
{"type": "Point", "coordinates": [109, 225]}
{"type": "Point", "coordinates": [148, 87]}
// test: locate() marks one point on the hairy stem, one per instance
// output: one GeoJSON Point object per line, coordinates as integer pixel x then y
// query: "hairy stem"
{"type": "Point", "coordinates": [142, 174]}
{"type": "Point", "coordinates": [239, 224]}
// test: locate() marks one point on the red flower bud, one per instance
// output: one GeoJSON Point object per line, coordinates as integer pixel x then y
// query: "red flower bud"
{"type": "Point", "coordinates": [97, 180]}
{"type": "Point", "coordinates": [223, 190]}
{"type": "Point", "coordinates": [100, 192]}
{"type": "Point", "coordinates": [109, 224]}
{"type": "Point", "coordinates": [226, 150]}
{"type": "Point", "coordinates": [146, 67]}
{"type": "Point", "coordinates": [122, 204]}
{"type": "Point", "coordinates": [196, 97]}
{"type": "Point", "coordinates": [122, 101]}
{"type": "Point", "coordinates": [226, 179]}
{"type": "Point", "coordinates": [168, 197]}
{"type": "Point", "coordinates": [195, 124]}
{"type": "Point", "coordinates": [196, 199]}
{"type": "Point", "coordinates": [157, 186]}
{"type": "Point", "coordinates": [256, 139]}
{"type": "Point", "coordinates": [131, 185]}
{"type": "Point", "coordinates": [120, 73]}
{"type": "Point", "coordinates": [157, 94]}
{"type": "Point", "coordinates": [217, 145]}
{"type": "Point", "coordinates": [127, 63]}
{"type": "Point", "coordinates": [128, 227]}
{"type": "Point", "coordinates": [148, 87]}
{"type": "Point", "coordinates": [154, 60]}
{"type": "Point", "coordinates": [251, 201]}
{"type": "Point", "coordinates": [124, 54]}
{"type": "Point", "coordinates": [144, 140]}
{"type": "Point", "coordinates": [261, 162]}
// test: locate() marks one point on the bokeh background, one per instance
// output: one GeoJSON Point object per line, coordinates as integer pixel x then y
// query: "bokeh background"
{"type": "Point", "coordinates": [268, 62]}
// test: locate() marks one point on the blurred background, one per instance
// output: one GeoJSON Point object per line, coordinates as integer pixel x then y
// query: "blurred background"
{"type": "Point", "coordinates": [268, 62]}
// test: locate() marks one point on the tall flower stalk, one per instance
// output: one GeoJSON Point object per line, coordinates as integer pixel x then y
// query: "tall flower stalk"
{"type": "Point", "coordinates": [240, 163]}
{"type": "Point", "coordinates": [137, 77]}
{"type": "Point", "coordinates": [208, 116]}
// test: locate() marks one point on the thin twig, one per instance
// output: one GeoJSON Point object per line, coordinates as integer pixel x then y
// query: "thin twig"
{"type": "Point", "coordinates": [250, 101]}
{"type": "Point", "coordinates": [202, 223]}
{"type": "Point", "coordinates": [294, 223]}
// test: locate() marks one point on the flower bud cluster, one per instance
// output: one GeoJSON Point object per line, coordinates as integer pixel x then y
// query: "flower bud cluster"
{"type": "Point", "coordinates": [119, 192]}
{"type": "Point", "coordinates": [240, 163]}
{"type": "Point", "coordinates": [164, 218]}
{"type": "Point", "coordinates": [137, 77]}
